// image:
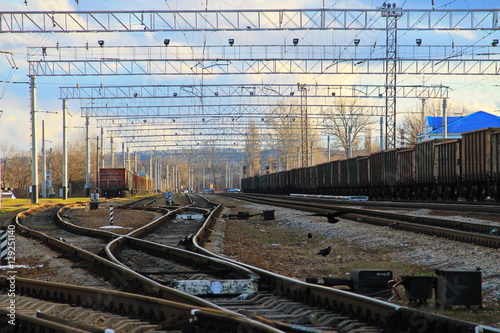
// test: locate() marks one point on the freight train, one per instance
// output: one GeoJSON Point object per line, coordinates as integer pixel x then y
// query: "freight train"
{"type": "Point", "coordinates": [441, 169]}
{"type": "Point", "coordinates": [121, 182]}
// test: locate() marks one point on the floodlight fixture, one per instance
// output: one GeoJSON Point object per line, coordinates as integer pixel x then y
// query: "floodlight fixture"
{"type": "Point", "coordinates": [231, 41]}
{"type": "Point", "coordinates": [100, 42]}
{"type": "Point", "coordinates": [166, 41]}
{"type": "Point", "coordinates": [356, 41]}
{"type": "Point", "coordinates": [295, 41]}
{"type": "Point", "coordinates": [175, 94]}
{"type": "Point", "coordinates": [495, 42]}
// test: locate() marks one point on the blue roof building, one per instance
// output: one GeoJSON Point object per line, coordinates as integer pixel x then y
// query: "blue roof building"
{"type": "Point", "coordinates": [458, 125]}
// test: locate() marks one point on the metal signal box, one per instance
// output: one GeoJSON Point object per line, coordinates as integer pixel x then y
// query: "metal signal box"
{"type": "Point", "coordinates": [370, 279]}
{"type": "Point", "coordinates": [458, 287]}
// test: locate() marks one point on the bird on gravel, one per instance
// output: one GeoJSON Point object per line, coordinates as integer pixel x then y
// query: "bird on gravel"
{"type": "Point", "coordinates": [325, 252]}
{"type": "Point", "coordinates": [309, 235]}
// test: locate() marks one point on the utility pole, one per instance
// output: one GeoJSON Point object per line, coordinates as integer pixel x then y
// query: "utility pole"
{"type": "Point", "coordinates": [65, 153]}
{"type": "Point", "coordinates": [445, 120]}
{"type": "Point", "coordinates": [304, 136]}
{"type": "Point", "coordinates": [34, 152]}
{"type": "Point", "coordinates": [87, 158]}
{"type": "Point", "coordinates": [44, 163]}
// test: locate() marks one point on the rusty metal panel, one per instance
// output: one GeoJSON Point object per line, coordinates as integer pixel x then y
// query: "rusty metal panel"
{"type": "Point", "coordinates": [320, 173]}
{"type": "Point", "coordinates": [294, 180]}
{"type": "Point", "coordinates": [313, 172]}
{"type": "Point", "coordinates": [389, 167]}
{"type": "Point", "coordinates": [425, 161]}
{"type": "Point", "coordinates": [448, 155]}
{"type": "Point", "coordinates": [495, 144]}
{"type": "Point", "coordinates": [344, 174]}
{"type": "Point", "coordinates": [376, 168]}
{"type": "Point", "coordinates": [328, 174]}
{"type": "Point", "coordinates": [352, 173]}
{"type": "Point", "coordinates": [405, 172]}
{"type": "Point", "coordinates": [336, 173]}
{"type": "Point", "coordinates": [477, 154]}
{"type": "Point", "coordinates": [364, 171]}
{"type": "Point", "coordinates": [118, 178]}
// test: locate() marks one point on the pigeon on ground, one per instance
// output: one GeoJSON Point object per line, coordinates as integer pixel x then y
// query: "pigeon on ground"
{"type": "Point", "coordinates": [325, 252]}
{"type": "Point", "coordinates": [309, 235]}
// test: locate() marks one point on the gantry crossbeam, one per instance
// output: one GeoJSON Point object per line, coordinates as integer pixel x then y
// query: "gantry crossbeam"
{"type": "Point", "coordinates": [214, 91]}
{"type": "Point", "coordinates": [234, 111]}
{"type": "Point", "coordinates": [239, 20]}
{"type": "Point", "coordinates": [481, 63]}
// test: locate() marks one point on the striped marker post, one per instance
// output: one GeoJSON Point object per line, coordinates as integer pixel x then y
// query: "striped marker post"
{"type": "Point", "coordinates": [3, 247]}
{"type": "Point", "coordinates": [111, 217]}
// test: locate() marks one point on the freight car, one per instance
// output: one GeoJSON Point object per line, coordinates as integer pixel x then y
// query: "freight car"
{"type": "Point", "coordinates": [121, 182]}
{"type": "Point", "coordinates": [440, 169]}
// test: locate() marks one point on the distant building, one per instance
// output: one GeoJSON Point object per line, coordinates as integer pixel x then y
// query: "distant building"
{"type": "Point", "coordinates": [457, 125]}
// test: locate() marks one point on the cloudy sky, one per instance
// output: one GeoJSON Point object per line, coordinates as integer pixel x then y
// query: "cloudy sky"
{"type": "Point", "coordinates": [478, 93]}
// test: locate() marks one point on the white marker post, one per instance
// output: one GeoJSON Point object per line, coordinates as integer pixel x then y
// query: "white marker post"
{"type": "Point", "coordinates": [111, 215]}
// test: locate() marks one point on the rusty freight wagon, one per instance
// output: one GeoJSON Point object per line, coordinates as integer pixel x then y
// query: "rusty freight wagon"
{"type": "Point", "coordinates": [121, 182]}
{"type": "Point", "coordinates": [478, 164]}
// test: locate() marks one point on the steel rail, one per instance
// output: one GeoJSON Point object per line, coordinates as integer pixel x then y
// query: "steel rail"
{"type": "Point", "coordinates": [162, 312]}
{"type": "Point", "coordinates": [476, 234]}
{"type": "Point", "coordinates": [391, 317]}
{"type": "Point", "coordinates": [118, 274]}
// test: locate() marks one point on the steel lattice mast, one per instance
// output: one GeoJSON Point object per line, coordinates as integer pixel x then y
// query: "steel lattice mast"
{"type": "Point", "coordinates": [392, 16]}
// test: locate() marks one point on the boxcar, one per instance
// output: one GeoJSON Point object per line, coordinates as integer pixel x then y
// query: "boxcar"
{"type": "Point", "coordinates": [376, 172]}
{"type": "Point", "coordinates": [448, 169]}
{"type": "Point", "coordinates": [321, 172]}
{"type": "Point", "coordinates": [352, 171]}
{"type": "Point", "coordinates": [478, 153]}
{"type": "Point", "coordinates": [495, 141]}
{"type": "Point", "coordinates": [364, 175]}
{"type": "Point", "coordinates": [115, 182]}
{"type": "Point", "coordinates": [389, 173]}
{"type": "Point", "coordinates": [140, 184]}
{"type": "Point", "coordinates": [336, 176]}
{"type": "Point", "coordinates": [313, 179]}
{"type": "Point", "coordinates": [344, 176]}
{"type": "Point", "coordinates": [405, 173]}
{"type": "Point", "coordinates": [425, 177]}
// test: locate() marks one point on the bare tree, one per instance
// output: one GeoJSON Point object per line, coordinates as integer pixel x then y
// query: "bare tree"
{"type": "Point", "coordinates": [16, 172]}
{"type": "Point", "coordinates": [76, 165]}
{"type": "Point", "coordinates": [285, 128]}
{"type": "Point", "coordinates": [7, 152]}
{"type": "Point", "coordinates": [348, 123]}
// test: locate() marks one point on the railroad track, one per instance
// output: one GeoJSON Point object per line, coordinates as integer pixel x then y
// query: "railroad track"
{"type": "Point", "coordinates": [484, 207]}
{"type": "Point", "coordinates": [41, 306]}
{"type": "Point", "coordinates": [475, 233]}
{"type": "Point", "coordinates": [286, 304]}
